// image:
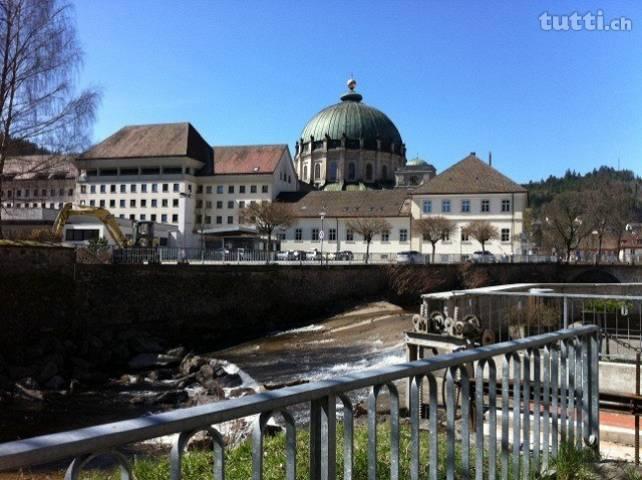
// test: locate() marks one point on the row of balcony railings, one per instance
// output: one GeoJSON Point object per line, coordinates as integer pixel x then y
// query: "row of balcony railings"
{"type": "Point", "coordinates": [508, 409]}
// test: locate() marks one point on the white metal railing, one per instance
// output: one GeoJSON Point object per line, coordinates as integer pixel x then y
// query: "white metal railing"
{"type": "Point", "coordinates": [547, 394]}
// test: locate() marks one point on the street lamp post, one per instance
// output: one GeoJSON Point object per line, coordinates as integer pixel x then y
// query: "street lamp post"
{"type": "Point", "coordinates": [322, 233]}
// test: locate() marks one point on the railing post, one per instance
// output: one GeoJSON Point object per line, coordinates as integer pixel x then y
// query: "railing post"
{"type": "Point", "coordinates": [565, 312]}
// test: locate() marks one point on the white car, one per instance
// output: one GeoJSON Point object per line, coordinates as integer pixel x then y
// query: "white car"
{"type": "Point", "coordinates": [411, 256]}
{"type": "Point", "coordinates": [483, 257]}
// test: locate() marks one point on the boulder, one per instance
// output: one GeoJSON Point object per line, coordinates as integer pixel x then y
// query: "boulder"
{"type": "Point", "coordinates": [191, 364]}
{"type": "Point", "coordinates": [230, 381]}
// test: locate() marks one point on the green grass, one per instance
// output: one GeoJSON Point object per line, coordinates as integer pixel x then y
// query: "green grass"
{"type": "Point", "coordinates": [571, 464]}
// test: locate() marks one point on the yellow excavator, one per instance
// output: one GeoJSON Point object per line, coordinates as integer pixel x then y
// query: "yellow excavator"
{"type": "Point", "coordinates": [143, 231]}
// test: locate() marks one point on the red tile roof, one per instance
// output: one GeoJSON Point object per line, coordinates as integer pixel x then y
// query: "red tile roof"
{"type": "Point", "coordinates": [247, 159]}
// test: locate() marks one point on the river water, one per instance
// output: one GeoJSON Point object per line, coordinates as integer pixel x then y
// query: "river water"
{"type": "Point", "coordinates": [364, 337]}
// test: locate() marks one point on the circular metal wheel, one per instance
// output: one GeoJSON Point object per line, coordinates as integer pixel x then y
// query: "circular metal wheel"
{"type": "Point", "coordinates": [473, 320]}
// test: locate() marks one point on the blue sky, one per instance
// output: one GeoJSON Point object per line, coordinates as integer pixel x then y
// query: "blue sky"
{"type": "Point", "coordinates": [455, 76]}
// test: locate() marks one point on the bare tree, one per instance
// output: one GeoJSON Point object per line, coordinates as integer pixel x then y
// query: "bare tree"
{"type": "Point", "coordinates": [482, 231]}
{"type": "Point", "coordinates": [268, 216]}
{"type": "Point", "coordinates": [566, 221]}
{"type": "Point", "coordinates": [368, 228]}
{"type": "Point", "coordinates": [39, 60]}
{"type": "Point", "coordinates": [433, 229]}
{"type": "Point", "coordinates": [621, 211]}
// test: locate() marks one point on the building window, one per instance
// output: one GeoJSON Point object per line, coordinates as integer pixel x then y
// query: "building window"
{"type": "Point", "coordinates": [154, 187]}
{"type": "Point", "coordinates": [219, 204]}
{"type": "Point", "coordinates": [230, 220]}
{"type": "Point", "coordinates": [352, 171]}
{"type": "Point", "coordinates": [92, 203]}
{"type": "Point", "coordinates": [298, 234]}
{"type": "Point", "coordinates": [199, 203]}
{"type": "Point", "coordinates": [403, 235]}
{"type": "Point", "coordinates": [280, 236]}
{"type": "Point", "coordinates": [427, 206]}
{"type": "Point", "coordinates": [505, 205]}
{"type": "Point", "coordinates": [154, 203]}
{"type": "Point", "coordinates": [112, 188]}
{"type": "Point", "coordinates": [164, 203]}
{"type": "Point", "coordinates": [219, 189]}
{"type": "Point", "coordinates": [445, 206]}
{"type": "Point", "coordinates": [165, 187]}
{"type": "Point", "coordinates": [332, 234]}
{"type": "Point", "coordinates": [465, 206]}
{"type": "Point", "coordinates": [176, 187]}
{"type": "Point", "coordinates": [445, 236]}
{"type": "Point", "coordinates": [175, 218]}
{"type": "Point", "coordinates": [123, 188]}
{"type": "Point", "coordinates": [208, 220]}
{"type": "Point", "coordinates": [317, 171]}
{"type": "Point", "coordinates": [175, 202]}
{"type": "Point", "coordinates": [143, 187]}
{"type": "Point", "coordinates": [153, 217]}
{"type": "Point", "coordinates": [83, 189]}
{"type": "Point", "coordinates": [143, 203]}
{"type": "Point", "coordinates": [199, 188]}
{"type": "Point", "coordinates": [252, 188]}
{"type": "Point", "coordinates": [369, 172]}
{"type": "Point", "coordinates": [103, 189]}
{"type": "Point", "coordinates": [132, 188]}
{"type": "Point", "coordinates": [305, 172]}
{"type": "Point", "coordinates": [315, 234]}
{"type": "Point", "coordinates": [485, 205]}
{"type": "Point", "coordinates": [199, 219]}
{"type": "Point", "coordinates": [332, 174]}
{"type": "Point", "coordinates": [505, 235]}
{"type": "Point", "coordinates": [241, 203]}
{"type": "Point", "coordinates": [385, 236]}
{"type": "Point", "coordinates": [143, 216]}
{"type": "Point", "coordinates": [102, 204]}
{"type": "Point", "coordinates": [241, 188]}
{"type": "Point", "coordinates": [92, 188]}
{"type": "Point", "coordinates": [264, 189]}
{"type": "Point", "coordinates": [132, 203]}
{"type": "Point", "coordinates": [208, 189]}
{"type": "Point", "coordinates": [122, 204]}
{"type": "Point", "coordinates": [230, 204]}
{"type": "Point", "coordinates": [464, 236]}
{"type": "Point", "coordinates": [230, 189]}
{"type": "Point", "coordinates": [164, 218]}
{"type": "Point", "coordinates": [349, 235]}
{"type": "Point", "coordinates": [219, 220]}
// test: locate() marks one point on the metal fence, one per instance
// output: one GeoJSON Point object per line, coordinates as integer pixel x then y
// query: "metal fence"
{"type": "Point", "coordinates": [529, 395]}
{"type": "Point", "coordinates": [509, 314]}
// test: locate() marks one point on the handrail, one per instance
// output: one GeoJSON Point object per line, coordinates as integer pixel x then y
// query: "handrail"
{"type": "Point", "coordinates": [48, 448]}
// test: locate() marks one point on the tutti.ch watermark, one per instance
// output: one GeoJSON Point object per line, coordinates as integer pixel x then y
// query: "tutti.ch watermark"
{"type": "Point", "coordinates": [589, 21]}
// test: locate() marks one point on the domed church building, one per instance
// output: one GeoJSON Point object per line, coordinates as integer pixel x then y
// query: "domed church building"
{"type": "Point", "coordinates": [349, 146]}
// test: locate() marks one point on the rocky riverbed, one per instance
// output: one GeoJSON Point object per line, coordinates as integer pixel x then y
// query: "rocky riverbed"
{"type": "Point", "coordinates": [64, 386]}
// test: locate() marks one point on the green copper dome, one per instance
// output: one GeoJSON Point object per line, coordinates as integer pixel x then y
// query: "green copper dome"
{"type": "Point", "coordinates": [357, 121]}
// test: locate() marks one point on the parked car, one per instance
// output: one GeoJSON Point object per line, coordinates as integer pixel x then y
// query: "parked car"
{"type": "Point", "coordinates": [410, 256]}
{"type": "Point", "coordinates": [285, 256]}
{"type": "Point", "coordinates": [298, 255]}
{"type": "Point", "coordinates": [483, 257]}
{"type": "Point", "coordinates": [314, 255]}
{"type": "Point", "coordinates": [221, 254]}
{"type": "Point", "coordinates": [344, 255]}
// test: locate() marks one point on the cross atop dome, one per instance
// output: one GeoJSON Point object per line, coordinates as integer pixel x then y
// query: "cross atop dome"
{"type": "Point", "coordinates": [351, 95]}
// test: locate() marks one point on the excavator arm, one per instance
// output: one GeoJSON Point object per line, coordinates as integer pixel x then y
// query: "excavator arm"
{"type": "Point", "coordinates": [68, 210]}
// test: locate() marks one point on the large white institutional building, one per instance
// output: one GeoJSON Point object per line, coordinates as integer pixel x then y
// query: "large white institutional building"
{"type": "Point", "coordinates": [349, 163]}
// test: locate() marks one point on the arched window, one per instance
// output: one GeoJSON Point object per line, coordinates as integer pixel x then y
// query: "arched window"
{"type": "Point", "coordinates": [384, 172]}
{"type": "Point", "coordinates": [305, 172]}
{"type": "Point", "coordinates": [333, 171]}
{"type": "Point", "coordinates": [317, 171]}
{"type": "Point", "coordinates": [369, 171]}
{"type": "Point", "coordinates": [352, 173]}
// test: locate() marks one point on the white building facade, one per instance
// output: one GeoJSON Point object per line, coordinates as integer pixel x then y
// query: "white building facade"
{"type": "Point", "coordinates": [338, 210]}
{"type": "Point", "coordinates": [472, 190]}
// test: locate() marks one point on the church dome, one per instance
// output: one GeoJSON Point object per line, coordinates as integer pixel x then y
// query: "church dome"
{"type": "Point", "coordinates": [416, 162]}
{"type": "Point", "coordinates": [357, 121]}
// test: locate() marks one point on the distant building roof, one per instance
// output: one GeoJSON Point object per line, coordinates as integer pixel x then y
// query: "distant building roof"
{"type": "Point", "coordinates": [247, 159]}
{"type": "Point", "coordinates": [470, 175]}
{"type": "Point", "coordinates": [36, 167]}
{"type": "Point", "coordinates": [158, 140]}
{"type": "Point", "coordinates": [368, 203]}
